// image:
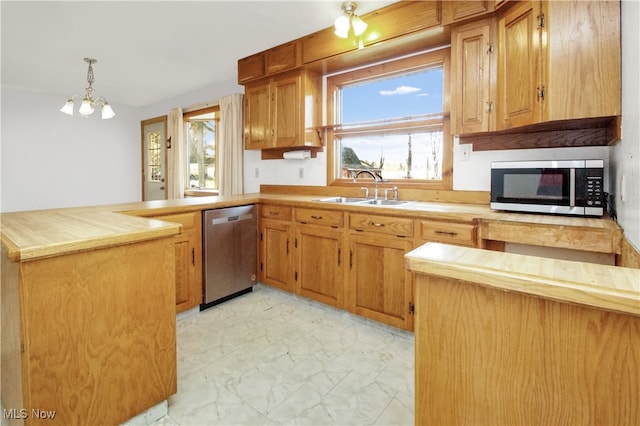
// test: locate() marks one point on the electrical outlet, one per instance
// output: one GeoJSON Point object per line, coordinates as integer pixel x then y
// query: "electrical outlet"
{"type": "Point", "coordinates": [466, 152]}
{"type": "Point", "coordinates": [301, 172]}
{"type": "Point", "coordinates": [257, 172]}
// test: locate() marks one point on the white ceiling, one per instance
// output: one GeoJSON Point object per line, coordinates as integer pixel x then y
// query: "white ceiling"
{"type": "Point", "coordinates": [147, 51]}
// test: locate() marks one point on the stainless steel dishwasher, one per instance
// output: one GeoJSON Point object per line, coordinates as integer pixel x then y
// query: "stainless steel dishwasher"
{"type": "Point", "coordinates": [229, 253]}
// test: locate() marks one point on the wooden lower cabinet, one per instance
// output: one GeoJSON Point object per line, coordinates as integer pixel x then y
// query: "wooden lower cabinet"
{"type": "Point", "coordinates": [379, 286]}
{"type": "Point", "coordinates": [319, 261]}
{"type": "Point", "coordinates": [494, 357]}
{"type": "Point", "coordinates": [188, 249]}
{"type": "Point", "coordinates": [89, 337]}
{"type": "Point", "coordinates": [275, 253]}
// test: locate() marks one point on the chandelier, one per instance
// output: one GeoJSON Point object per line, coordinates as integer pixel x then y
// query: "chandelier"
{"type": "Point", "coordinates": [349, 19]}
{"type": "Point", "coordinates": [88, 105]}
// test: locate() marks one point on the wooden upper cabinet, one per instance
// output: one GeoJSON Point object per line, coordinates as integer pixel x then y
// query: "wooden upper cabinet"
{"type": "Point", "coordinates": [251, 68]}
{"type": "Point", "coordinates": [457, 11]}
{"type": "Point", "coordinates": [324, 44]}
{"type": "Point", "coordinates": [581, 59]}
{"type": "Point", "coordinates": [558, 61]}
{"type": "Point", "coordinates": [473, 58]}
{"type": "Point", "coordinates": [283, 58]}
{"type": "Point", "coordinates": [286, 103]}
{"type": "Point", "coordinates": [283, 111]}
{"type": "Point", "coordinates": [257, 116]}
{"type": "Point", "coordinates": [403, 17]}
{"type": "Point", "coordinates": [278, 59]}
{"type": "Point", "coordinates": [518, 66]}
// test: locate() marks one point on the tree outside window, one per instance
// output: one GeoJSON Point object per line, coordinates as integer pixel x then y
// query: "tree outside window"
{"type": "Point", "coordinates": [201, 130]}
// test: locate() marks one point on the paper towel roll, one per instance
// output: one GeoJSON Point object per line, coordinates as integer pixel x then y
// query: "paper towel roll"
{"type": "Point", "coordinates": [297, 155]}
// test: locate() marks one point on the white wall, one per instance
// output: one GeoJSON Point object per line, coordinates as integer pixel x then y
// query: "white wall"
{"type": "Point", "coordinates": [626, 155]}
{"type": "Point", "coordinates": [50, 159]}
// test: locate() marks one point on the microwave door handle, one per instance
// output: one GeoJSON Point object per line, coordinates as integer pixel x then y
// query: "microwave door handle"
{"type": "Point", "coordinates": [572, 187]}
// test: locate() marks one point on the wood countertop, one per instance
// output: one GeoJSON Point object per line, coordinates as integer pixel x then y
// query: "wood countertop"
{"type": "Point", "coordinates": [44, 233]}
{"type": "Point", "coordinates": [38, 234]}
{"type": "Point", "coordinates": [607, 287]}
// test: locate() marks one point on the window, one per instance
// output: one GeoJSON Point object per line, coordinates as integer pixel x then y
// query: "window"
{"type": "Point", "coordinates": [154, 157]}
{"type": "Point", "coordinates": [201, 134]}
{"type": "Point", "coordinates": [392, 120]}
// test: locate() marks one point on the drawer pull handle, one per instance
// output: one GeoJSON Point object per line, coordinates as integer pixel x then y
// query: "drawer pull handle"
{"type": "Point", "coordinates": [452, 234]}
{"type": "Point", "coordinates": [274, 213]}
{"type": "Point", "coordinates": [316, 217]}
{"type": "Point", "coordinates": [376, 224]}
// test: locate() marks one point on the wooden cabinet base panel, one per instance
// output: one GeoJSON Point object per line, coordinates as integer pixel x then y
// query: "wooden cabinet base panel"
{"type": "Point", "coordinates": [486, 356]}
{"type": "Point", "coordinates": [90, 336]}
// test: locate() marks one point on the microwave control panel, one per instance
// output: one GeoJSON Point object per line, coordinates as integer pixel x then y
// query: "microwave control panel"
{"type": "Point", "coordinates": [590, 193]}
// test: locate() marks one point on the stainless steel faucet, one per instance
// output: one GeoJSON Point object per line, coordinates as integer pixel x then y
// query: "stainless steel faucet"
{"type": "Point", "coordinates": [394, 189]}
{"type": "Point", "coordinates": [376, 178]}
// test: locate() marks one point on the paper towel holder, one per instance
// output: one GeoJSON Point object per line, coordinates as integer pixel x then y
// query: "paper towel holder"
{"type": "Point", "coordinates": [304, 154]}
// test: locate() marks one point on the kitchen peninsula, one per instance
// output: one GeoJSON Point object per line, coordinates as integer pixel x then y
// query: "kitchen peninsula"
{"type": "Point", "coordinates": [509, 339]}
{"type": "Point", "coordinates": [88, 294]}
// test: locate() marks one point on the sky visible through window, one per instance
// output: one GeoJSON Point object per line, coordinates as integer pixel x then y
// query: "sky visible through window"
{"type": "Point", "coordinates": [395, 98]}
{"type": "Point", "coordinates": [413, 94]}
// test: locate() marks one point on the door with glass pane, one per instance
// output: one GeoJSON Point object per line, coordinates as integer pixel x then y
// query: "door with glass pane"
{"type": "Point", "coordinates": [154, 158]}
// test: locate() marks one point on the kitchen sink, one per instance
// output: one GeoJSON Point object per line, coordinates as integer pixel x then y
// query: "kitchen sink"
{"type": "Point", "coordinates": [386, 202]}
{"type": "Point", "coordinates": [362, 201]}
{"type": "Point", "coordinates": [345, 200]}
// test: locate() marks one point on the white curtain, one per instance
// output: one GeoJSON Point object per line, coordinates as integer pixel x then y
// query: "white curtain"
{"type": "Point", "coordinates": [176, 155]}
{"type": "Point", "coordinates": [231, 146]}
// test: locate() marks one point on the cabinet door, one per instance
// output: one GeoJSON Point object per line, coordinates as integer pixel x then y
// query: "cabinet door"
{"type": "Point", "coordinates": [518, 66]}
{"type": "Point", "coordinates": [581, 60]}
{"type": "Point", "coordinates": [455, 11]}
{"type": "Point", "coordinates": [188, 252]}
{"type": "Point", "coordinates": [275, 248]}
{"type": "Point", "coordinates": [379, 286]}
{"type": "Point", "coordinates": [473, 54]}
{"type": "Point", "coordinates": [286, 120]}
{"type": "Point", "coordinates": [257, 127]}
{"type": "Point", "coordinates": [319, 264]}
{"type": "Point", "coordinates": [183, 273]}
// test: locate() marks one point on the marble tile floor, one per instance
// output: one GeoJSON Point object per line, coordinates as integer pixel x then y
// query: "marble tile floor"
{"type": "Point", "coordinates": [272, 358]}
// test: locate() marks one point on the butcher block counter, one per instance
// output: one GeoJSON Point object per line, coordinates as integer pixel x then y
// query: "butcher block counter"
{"type": "Point", "coordinates": [44, 233]}
{"type": "Point", "coordinates": [507, 339]}
{"type": "Point", "coordinates": [97, 285]}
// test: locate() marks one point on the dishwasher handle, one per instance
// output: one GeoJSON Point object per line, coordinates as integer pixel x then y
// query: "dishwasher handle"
{"type": "Point", "coordinates": [227, 219]}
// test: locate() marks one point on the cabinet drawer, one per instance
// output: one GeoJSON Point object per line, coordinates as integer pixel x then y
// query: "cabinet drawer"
{"type": "Point", "coordinates": [187, 220]}
{"type": "Point", "coordinates": [381, 224]}
{"type": "Point", "coordinates": [276, 212]}
{"type": "Point", "coordinates": [449, 233]}
{"type": "Point", "coordinates": [320, 217]}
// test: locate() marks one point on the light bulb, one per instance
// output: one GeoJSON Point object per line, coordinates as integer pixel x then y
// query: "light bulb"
{"type": "Point", "coordinates": [358, 25]}
{"type": "Point", "coordinates": [107, 111]}
{"type": "Point", "coordinates": [87, 107]}
{"type": "Point", "coordinates": [68, 107]}
{"type": "Point", "coordinates": [342, 26]}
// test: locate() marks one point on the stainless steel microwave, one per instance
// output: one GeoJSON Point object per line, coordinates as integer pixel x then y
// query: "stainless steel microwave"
{"type": "Point", "coordinates": [571, 187]}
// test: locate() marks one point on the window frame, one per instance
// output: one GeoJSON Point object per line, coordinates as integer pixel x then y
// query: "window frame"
{"type": "Point", "coordinates": [406, 64]}
{"type": "Point", "coordinates": [186, 117]}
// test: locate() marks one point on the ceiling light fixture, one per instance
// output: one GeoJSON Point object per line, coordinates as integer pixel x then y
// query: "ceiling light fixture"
{"type": "Point", "coordinates": [88, 102]}
{"type": "Point", "coordinates": [349, 19]}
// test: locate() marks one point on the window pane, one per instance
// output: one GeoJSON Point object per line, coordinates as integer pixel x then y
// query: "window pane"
{"type": "Point", "coordinates": [401, 96]}
{"type": "Point", "coordinates": [154, 157]}
{"type": "Point", "coordinates": [408, 156]}
{"type": "Point", "coordinates": [393, 126]}
{"type": "Point", "coordinates": [201, 159]}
